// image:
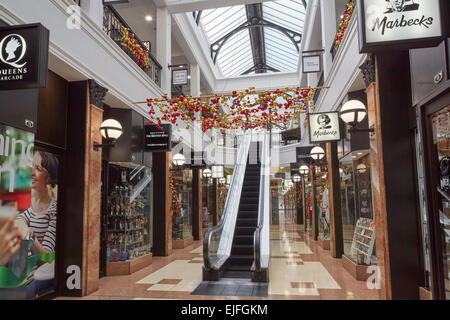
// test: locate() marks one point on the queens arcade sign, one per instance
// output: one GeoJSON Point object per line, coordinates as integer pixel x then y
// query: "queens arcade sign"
{"type": "Point", "coordinates": [23, 56]}
{"type": "Point", "coordinates": [386, 25]}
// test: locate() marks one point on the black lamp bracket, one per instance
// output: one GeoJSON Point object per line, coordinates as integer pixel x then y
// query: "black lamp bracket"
{"type": "Point", "coordinates": [97, 145]}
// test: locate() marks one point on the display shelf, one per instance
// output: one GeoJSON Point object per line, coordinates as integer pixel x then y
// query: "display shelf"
{"type": "Point", "coordinates": [363, 243]}
{"type": "Point", "coordinates": [128, 223]}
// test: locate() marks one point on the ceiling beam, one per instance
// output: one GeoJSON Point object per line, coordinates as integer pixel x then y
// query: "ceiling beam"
{"type": "Point", "coordinates": [180, 6]}
{"type": "Point", "coordinates": [254, 11]}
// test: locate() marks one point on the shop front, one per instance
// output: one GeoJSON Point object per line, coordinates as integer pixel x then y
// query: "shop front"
{"type": "Point", "coordinates": [431, 99]}
{"type": "Point", "coordinates": [127, 198]}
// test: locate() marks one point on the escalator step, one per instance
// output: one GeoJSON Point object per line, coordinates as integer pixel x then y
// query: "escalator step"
{"type": "Point", "coordinates": [242, 249]}
{"type": "Point", "coordinates": [245, 231]}
{"type": "Point", "coordinates": [237, 274]}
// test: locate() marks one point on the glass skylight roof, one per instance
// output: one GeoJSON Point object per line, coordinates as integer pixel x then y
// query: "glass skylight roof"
{"type": "Point", "coordinates": [236, 55]}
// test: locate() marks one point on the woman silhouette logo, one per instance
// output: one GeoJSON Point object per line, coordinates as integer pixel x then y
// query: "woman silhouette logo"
{"type": "Point", "coordinates": [324, 121]}
{"type": "Point", "coordinates": [15, 47]}
{"type": "Point", "coordinates": [401, 5]}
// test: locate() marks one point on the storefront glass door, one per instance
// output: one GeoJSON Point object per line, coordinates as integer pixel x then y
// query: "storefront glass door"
{"type": "Point", "coordinates": [440, 123]}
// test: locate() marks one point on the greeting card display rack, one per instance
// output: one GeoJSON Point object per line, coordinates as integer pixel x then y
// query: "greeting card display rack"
{"type": "Point", "coordinates": [363, 240]}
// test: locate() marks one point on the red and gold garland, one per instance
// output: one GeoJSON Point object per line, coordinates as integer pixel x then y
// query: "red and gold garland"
{"type": "Point", "coordinates": [130, 42]}
{"type": "Point", "coordinates": [277, 107]}
{"type": "Point", "coordinates": [344, 24]}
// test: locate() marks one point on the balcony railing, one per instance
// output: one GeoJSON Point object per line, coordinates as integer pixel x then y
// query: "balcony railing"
{"type": "Point", "coordinates": [116, 27]}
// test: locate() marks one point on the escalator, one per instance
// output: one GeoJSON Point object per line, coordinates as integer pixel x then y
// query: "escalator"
{"type": "Point", "coordinates": [239, 246]}
{"type": "Point", "coordinates": [241, 259]}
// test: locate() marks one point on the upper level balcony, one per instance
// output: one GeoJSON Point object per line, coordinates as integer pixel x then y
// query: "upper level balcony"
{"type": "Point", "coordinates": [117, 28]}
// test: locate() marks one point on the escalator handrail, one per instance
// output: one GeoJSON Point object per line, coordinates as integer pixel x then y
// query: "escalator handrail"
{"type": "Point", "coordinates": [262, 261]}
{"type": "Point", "coordinates": [236, 182]}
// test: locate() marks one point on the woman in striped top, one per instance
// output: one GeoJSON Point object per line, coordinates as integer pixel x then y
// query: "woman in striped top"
{"type": "Point", "coordinates": [41, 216]}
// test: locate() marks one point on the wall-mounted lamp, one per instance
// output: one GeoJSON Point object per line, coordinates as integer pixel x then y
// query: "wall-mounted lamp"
{"type": "Point", "coordinates": [178, 160]}
{"type": "Point", "coordinates": [222, 180]}
{"type": "Point", "coordinates": [296, 178]}
{"type": "Point", "coordinates": [304, 170]}
{"type": "Point", "coordinates": [361, 168]}
{"type": "Point", "coordinates": [111, 131]}
{"type": "Point", "coordinates": [352, 113]}
{"type": "Point", "coordinates": [207, 173]}
{"type": "Point", "coordinates": [317, 153]}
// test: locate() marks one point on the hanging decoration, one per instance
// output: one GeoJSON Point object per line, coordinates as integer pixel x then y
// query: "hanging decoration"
{"type": "Point", "coordinates": [344, 24]}
{"type": "Point", "coordinates": [239, 110]}
{"type": "Point", "coordinates": [129, 42]}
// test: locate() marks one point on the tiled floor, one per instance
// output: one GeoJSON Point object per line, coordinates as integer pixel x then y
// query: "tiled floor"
{"type": "Point", "coordinates": [299, 269]}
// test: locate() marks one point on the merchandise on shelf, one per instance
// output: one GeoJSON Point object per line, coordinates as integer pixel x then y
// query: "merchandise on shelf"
{"type": "Point", "coordinates": [128, 219]}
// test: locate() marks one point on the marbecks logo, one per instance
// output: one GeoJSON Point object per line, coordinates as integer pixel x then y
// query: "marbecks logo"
{"type": "Point", "coordinates": [12, 50]}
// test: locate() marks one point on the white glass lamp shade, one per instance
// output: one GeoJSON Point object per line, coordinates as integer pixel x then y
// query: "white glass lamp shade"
{"type": "Point", "coordinates": [217, 171]}
{"type": "Point", "coordinates": [317, 153]}
{"type": "Point", "coordinates": [111, 129]}
{"type": "Point", "coordinates": [353, 112]}
{"type": "Point", "coordinates": [179, 159]}
{"type": "Point", "coordinates": [304, 170]}
{"type": "Point", "coordinates": [207, 173]}
{"type": "Point", "coordinates": [361, 168]}
{"type": "Point", "coordinates": [222, 180]}
{"type": "Point", "coordinates": [229, 176]}
{"type": "Point", "coordinates": [296, 178]}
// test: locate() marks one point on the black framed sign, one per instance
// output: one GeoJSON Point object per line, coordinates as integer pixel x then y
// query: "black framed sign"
{"type": "Point", "coordinates": [387, 25]}
{"type": "Point", "coordinates": [295, 169]}
{"type": "Point", "coordinates": [303, 155]}
{"type": "Point", "coordinates": [23, 56]}
{"type": "Point", "coordinates": [312, 64]}
{"type": "Point", "coordinates": [324, 127]}
{"type": "Point", "coordinates": [291, 135]}
{"type": "Point", "coordinates": [157, 140]}
{"type": "Point", "coordinates": [198, 159]}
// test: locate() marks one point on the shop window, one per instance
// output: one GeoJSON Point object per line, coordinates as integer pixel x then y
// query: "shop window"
{"type": "Point", "coordinates": [441, 139]}
{"type": "Point", "coordinates": [322, 201]}
{"type": "Point", "coordinates": [357, 208]}
{"type": "Point", "coordinates": [182, 204]}
{"type": "Point", "coordinates": [129, 212]}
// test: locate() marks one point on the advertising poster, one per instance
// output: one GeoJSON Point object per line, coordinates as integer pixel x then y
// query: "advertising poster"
{"type": "Point", "coordinates": [28, 191]}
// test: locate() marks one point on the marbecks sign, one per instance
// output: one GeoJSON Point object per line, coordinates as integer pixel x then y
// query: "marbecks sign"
{"type": "Point", "coordinates": [407, 22]}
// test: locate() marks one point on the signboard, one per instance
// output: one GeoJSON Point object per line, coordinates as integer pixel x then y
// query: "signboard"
{"type": "Point", "coordinates": [23, 56]}
{"type": "Point", "coordinates": [197, 159]}
{"type": "Point", "coordinates": [180, 77]}
{"type": "Point", "coordinates": [324, 127]}
{"type": "Point", "coordinates": [291, 135]}
{"type": "Point", "coordinates": [386, 25]}
{"type": "Point", "coordinates": [311, 64]}
{"type": "Point", "coordinates": [295, 167]}
{"type": "Point", "coordinates": [280, 175]}
{"type": "Point", "coordinates": [303, 155]}
{"type": "Point", "coordinates": [157, 140]}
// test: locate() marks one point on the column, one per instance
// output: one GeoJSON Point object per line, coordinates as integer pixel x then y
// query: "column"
{"type": "Point", "coordinates": [328, 20]}
{"type": "Point", "coordinates": [94, 9]}
{"type": "Point", "coordinates": [195, 80]}
{"type": "Point", "coordinates": [305, 203]}
{"type": "Point", "coordinates": [197, 225]}
{"type": "Point", "coordinates": [299, 202]}
{"type": "Point", "coordinates": [334, 193]}
{"type": "Point", "coordinates": [314, 218]}
{"type": "Point", "coordinates": [162, 212]}
{"type": "Point", "coordinates": [164, 47]}
{"type": "Point", "coordinates": [391, 156]}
